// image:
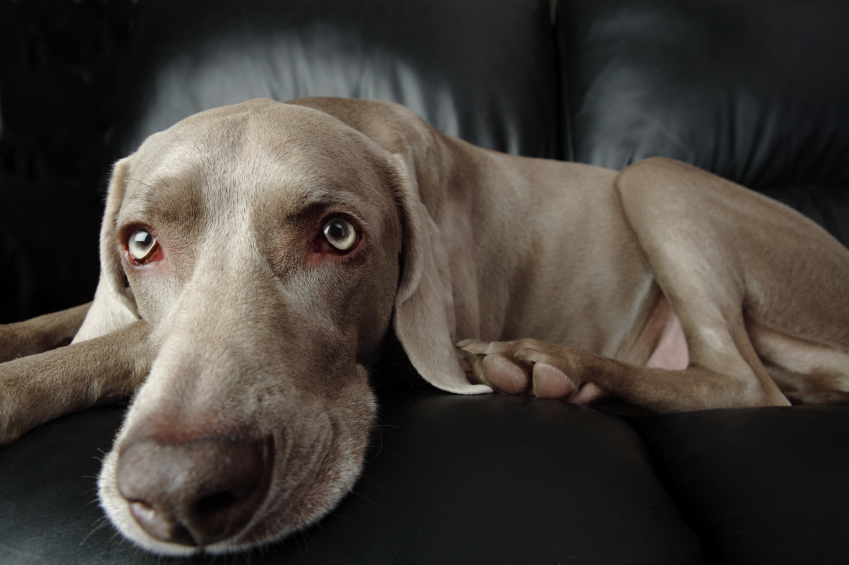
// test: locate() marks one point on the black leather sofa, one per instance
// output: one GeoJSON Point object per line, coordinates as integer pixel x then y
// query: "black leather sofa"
{"type": "Point", "coordinates": [754, 90]}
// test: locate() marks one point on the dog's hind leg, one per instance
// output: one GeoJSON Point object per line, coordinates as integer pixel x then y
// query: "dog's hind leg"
{"type": "Point", "coordinates": [752, 284]}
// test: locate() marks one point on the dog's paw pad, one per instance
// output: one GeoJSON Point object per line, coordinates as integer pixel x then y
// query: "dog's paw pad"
{"type": "Point", "coordinates": [550, 382]}
{"type": "Point", "coordinates": [502, 374]}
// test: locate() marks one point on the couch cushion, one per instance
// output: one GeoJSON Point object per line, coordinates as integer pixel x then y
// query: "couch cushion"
{"type": "Point", "coordinates": [480, 69]}
{"type": "Point", "coordinates": [449, 479]}
{"type": "Point", "coordinates": [761, 485]}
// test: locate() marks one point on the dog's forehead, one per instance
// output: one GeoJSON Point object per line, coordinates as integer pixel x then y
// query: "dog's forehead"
{"type": "Point", "coordinates": [254, 147]}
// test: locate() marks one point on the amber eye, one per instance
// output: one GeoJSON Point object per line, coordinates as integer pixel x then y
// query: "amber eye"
{"type": "Point", "coordinates": [141, 245]}
{"type": "Point", "coordinates": [340, 234]}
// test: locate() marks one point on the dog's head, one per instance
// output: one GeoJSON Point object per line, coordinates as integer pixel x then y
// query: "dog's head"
{"type": "Point", "coordinates": [270, 247]}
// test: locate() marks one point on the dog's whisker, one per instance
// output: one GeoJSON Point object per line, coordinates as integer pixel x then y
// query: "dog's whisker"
{"type": "Point", "coordinates": [140, 182]}
{"type": "Point", "coordinates": [363, 497]}
{"type": "Point", "coordinates": [91, 491]}
{"type": "Point", "coordinates": [372, 481]}
{"type": "Point", "coordinates": [99, 525]}
{"type": "Point", "coordinates": [302, 540]}
{"type": "Point", "coordinates": [337, 516]}
{"type": "Point", "coordinates": [381, 449]}
{"type": "Point", "coordinates": [391, 426]}
{"type": "Point", "coordinates": [377, 357]}
{"type": "Point", "coordinates": [152, 170]}
{"type": "Point", "coordinates": [380, 446]}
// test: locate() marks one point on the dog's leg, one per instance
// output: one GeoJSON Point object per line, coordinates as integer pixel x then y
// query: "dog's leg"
{"type": "Point", "coordinates": [726, 259]}
{"type": "Point", "coordinates": [535, 368]}
{"type": "Point", "coordinates": [41, 334]}
{"type": "Point", "coordinates": [38, 388]}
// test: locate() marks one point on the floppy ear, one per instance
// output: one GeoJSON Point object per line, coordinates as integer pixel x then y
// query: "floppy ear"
{"type": "Point", "coordinates": [114, 306]}
{"type": "Point", "coordinates": [424, 304]}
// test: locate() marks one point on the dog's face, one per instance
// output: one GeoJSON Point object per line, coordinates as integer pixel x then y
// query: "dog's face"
{"type": "Point", "coordinates": [261, 242]}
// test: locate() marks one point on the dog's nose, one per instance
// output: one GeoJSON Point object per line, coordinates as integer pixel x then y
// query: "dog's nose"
{"type": "Point", "coordinates": [195, 493]}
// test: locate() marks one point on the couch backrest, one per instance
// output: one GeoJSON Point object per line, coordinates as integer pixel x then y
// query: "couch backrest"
{"type": "Point", "coordinates": [480, 69]}
{"type": "Point", "coordinates": [756, 91]}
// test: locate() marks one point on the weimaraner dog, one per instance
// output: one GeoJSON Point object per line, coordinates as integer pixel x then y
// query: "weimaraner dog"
{"type": "Point", "coordinates": [256, 258]}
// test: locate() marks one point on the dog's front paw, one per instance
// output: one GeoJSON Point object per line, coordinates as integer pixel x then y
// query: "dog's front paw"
{"type": "Point", "coordinates": [524, 367]}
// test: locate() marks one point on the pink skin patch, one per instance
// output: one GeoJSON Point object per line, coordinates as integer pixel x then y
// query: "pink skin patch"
{"type": "Point", "coordinates": [671, 352]}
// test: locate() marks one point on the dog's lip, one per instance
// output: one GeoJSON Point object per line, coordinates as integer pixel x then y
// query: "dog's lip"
{"type": "Point", "coordinates": [286, 506]}
{"type": "Point", "coordinates": [261, 530]}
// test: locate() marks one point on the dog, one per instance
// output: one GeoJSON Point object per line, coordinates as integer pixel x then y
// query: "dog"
{"type": "Point", "coordinates": [256, 258]}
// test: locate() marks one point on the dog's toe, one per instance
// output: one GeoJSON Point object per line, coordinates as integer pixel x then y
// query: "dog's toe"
{"type": "Point", "coordinates": [550, 382]}
{"type": "Point", "coordinates": [502, 374]}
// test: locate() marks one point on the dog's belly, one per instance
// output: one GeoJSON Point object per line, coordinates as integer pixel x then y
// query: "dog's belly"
{"type": "Point", "coordinates": [661, 343]}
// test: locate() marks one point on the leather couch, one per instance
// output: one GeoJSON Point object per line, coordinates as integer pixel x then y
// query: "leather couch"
{"type": "Point", "coordinates": [754, 90]}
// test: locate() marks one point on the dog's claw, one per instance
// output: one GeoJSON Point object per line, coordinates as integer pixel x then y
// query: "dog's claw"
{"type": "Point", "coordinates": [474, 346]}
{"type": "Point", "coordinates": [530, 355]}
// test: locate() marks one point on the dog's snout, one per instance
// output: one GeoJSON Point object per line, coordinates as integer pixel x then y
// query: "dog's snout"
{"type": "Point", "coordinates": [195, 493]}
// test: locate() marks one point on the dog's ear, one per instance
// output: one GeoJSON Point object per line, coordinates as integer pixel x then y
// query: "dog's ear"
{"type": "Point", "coordinates": [114, 306]}
{"type": "Point", "coordinates": [424, 304]}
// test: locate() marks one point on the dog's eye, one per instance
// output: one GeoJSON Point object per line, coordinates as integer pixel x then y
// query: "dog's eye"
{"type": "Point", "coordinates": [340, 234]}
{"type": "Point", "coordinates": [141, 245]}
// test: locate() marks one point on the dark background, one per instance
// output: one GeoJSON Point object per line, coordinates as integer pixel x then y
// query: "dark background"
{"type": "Point", "coordinates": [58, 65]}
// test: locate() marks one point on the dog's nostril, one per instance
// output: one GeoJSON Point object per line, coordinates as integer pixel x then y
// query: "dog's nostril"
{"type": "Point", "coordinates": [197, 493]}
{"type": "Point", "coordinates": [215, 503]}
{"type": "Point", "coordinates": [142, 508]}
{"type": "Point", "coordinates": [160, 525]}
